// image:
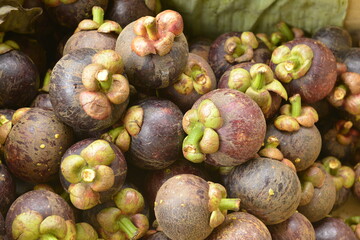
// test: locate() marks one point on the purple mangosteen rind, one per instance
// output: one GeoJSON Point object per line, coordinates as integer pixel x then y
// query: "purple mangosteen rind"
{"type": "Point", "coordinates": [320, 78]}
{"type": "Point", "coordinates": [7, 188]}
{"type": "Point", "coordinates": [240, 136]}
{"type": "Point", "coordinates": [65, 89]}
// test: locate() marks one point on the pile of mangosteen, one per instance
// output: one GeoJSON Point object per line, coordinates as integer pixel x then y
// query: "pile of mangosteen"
{"type": "Point", "coordinates": [115, 124]}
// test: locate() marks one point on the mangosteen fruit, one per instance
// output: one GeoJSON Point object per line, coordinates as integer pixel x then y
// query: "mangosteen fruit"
{"type": "Point", "coordinates": [35, 145]}
{"type": "Point", "coordinates": [297, 227]}
{"type": "Point", "coordinates": [7, 189]}
{"type": "Point", "coordinates": [351, 57]}
{"type": "Point", "coordinates": [96, 33]}
{"type": "Point", "coordinates": [151, 135]}
{"type": "Point", "coordinates": [154, 50]}
{"type": "Point", "coordinates": [200, 47]}
{"type": "Point", "coordinates": [225, 127]}
{"type": "Point", "coordinates": [40, 213]}
{"type": "Point", "coordinates": [92, 171]}
{"type": "Point", "coordinates": [87, 89]}
{"type": "Point", "coordinates": [268, 189]}
{"type": "Point", "coordinates": [156, 236]}
{"type": "Point", "coordinates": [333, 228]}
{"type": "Point", "coordinates": [306, 67]}
{"type": "Point", "coordinates": [240, 226]}
{"type": "Point", "coordinates": [197, 79]}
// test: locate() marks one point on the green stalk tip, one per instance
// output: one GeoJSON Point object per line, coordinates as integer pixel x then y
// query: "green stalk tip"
{"type": "Point", "coordinates": [229, 204]}
{"type": "Point", "coordinates": [127, 227]}
{"type": "Point", "coordinates": [98, 15]}
{"type": "Point", "coordinates": [295, 105]}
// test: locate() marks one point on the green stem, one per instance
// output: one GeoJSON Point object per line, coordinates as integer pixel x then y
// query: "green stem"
{"type": "Point", "coordinates": [346, 128]}
{"type": "Point", "coordinates": [151, 28]}
{"type": "Point", "coordinates": [98, 14]}
{"type": "Point", "coordinates": [229, 204]}
{"type": "Point", "coordinates": [276, 38]}
{"type": "Point", "coordinates": [127, 227]}
{"type": "Point", "coordinates": [196, 133]}
{"type": "Point", "coordinates": [105, 85]}
{"type": "Point", "coordinates": [285, 30]}
{"type": "Point", "coordinates": [191, 144]}
{"type": "Point", "coordinates": [259, 81]}
{"type": "Point", "coordinates": [3, 120]}
{"type": "Point", "coordinates": [48, 237]}
{"type": "Point", "coordinates": [239, 51]}
{"type": "Point", "coordinates": [352, 220]}
{"type": "Point", "coordinates": [196, 73]}
{"type": "Point", "coordinates": [46, 83]}
{"type": "Point", "coordinates": [295, 105]}
{"type": "Point", "coordinates": [114, 133]}
{"type": "Point", "coordinates": [272, 142]}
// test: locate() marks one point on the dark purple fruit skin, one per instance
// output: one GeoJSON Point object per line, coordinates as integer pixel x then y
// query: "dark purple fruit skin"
{"type": "Point", "coordinates": [275, 98]}
{"type": "Point", "coordinates": [7, 112]}
{"type": "Point", "coordinates": [127, 11]}
{"type": "Point", "coordinates": [148, 71]}
{"type": "Point", "coordinates": [2, 226]}
{"type": "Point", "coordinates": [243, 130]}
{"type": "Point", "coordinates": [240, 226]}
{"type": "Point", "coordinates": [185, 102]}
{"type": "Point", "coordinates": [42, 201]}
{"type": "Point", "coordinates": [119, 167]}
{"type": "Point", "coordinates": [157, 236]}
{"type": "Point", "coordinates": [292, 144]}
{"type": "Point", "coordinates": [23, 154]}
{"type": "Point", "coordinates": [356, 186]}
{"type": "Point", "coordinates": [334, 37]}
{"type": "Point", "coordinates": [90, 39]}
{"type": "Point", "coordinates": [200, 47]}
{"type": "Point", "coordinates": [19, 81]}
{"type": "Point", "coordinates": [183, 221]}
{"type": "Point", "coordinates": [297, 227]}
{"type": "Point", "coordinates": [70, 15]}
{"type": "Point", "coordinates": [159, 142]}
{"type": "Point", "coordinates": [251, 182]}
{"type": "Point", "coordinates": [320, 79]}
{"type": "Point", "coordinates": [65, 87]}
{"type": "Point", "coordinates": [7, 189]}
{"type": "Point", "coordinates": [42, 101]}
{"type": "Point", "coordinates": [322, 201]}
{"type": "Point", "coordinates": [154, 179]}
{"type": "Point", "coordinates": [351, 58]}
{"type": "Point", "coordinates": [331, 228]}
{"type": "Point", "coordinates": [342, 196]}
{"type": "Point", "coordinates": [216, 54]}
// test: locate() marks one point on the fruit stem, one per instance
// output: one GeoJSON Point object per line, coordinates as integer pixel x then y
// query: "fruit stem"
{"type": "Point", "coordinates": [98, 15]}
{"type": "Point", "coordinates": [151, 29]}
{"type": "Point", "coordinates": [352, 220]}
{"type": "Point", "coordinates": [46, 84]}
{"type": "Point", "coordinates": [285, 30]}
{"type": "Point", "coordinates": [345, 128]}
{"type": "Point", "coordinates": [295, 105]}
{"type": "Point", "coordinates": [105, 80]}
{"type": "Point", "coordinates": [232, 204]}
{"type": "Point", "coordinates": [127, 227]}
{"type": "Point", "coordinates": [195, 74]}
{"type": "Point", "coordinates": [191, 144]}
{"type": "Point", "coordinates": [259, 80]}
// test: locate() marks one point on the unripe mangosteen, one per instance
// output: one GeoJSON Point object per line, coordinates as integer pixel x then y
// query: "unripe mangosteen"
{"type": "Point", "coordinates": [268, 189]}
{"type": "Point", "coordinates": [92, 171]}
{"type": "Point", "coordinates": [69, 13]}
{"type": "Point", "coordinates": [151, 135]}
{"type": "Point", "coordinates": [38, 213]}
{"type": "Point", "coordinates": [241, 226]}
{"type": "Point", "coordinates": [306, 67]}
{"type": "Point", "coordinates": [96, 33]}
{"type": "Point", "coordinates": [334, 37]}
{"type": "Point", "coordinates": [154, 50]}
{"type": "Point", "coordinates": [225, 127]}
{"type": "Point", "coordinates": [35, 145]}
{"type": "Point", "coordinates": [127, 11]}
{"type": "Point", "coordinates": [197, 79]}
{"type": "Point", "coordinates": [7, 189]}
{"type": "Point", "coordinates": [232, 48]}
{"type": "Point", "coordinates": [19, 79]}
{"type": "Point", "coordinates": [333, 228]}
{"type": "Point", "coordinates": [188, 207]}
{"type": "Point", "coordinates": [297, 227]}
{"type": "Point", "coordinates": [87, 90]}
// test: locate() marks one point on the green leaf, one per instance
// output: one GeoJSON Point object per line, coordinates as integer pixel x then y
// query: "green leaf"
{"type": "Point", "coordinates": [15, 18]}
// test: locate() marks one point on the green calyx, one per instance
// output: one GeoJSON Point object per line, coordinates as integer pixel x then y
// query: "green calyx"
{"type": "Point", "coordinates": [292, 64]}
{"type": "Point", "coordinates": [219, 205]}
{"type": "Point", "coordinates": [129, 201]}
{"type": "Point", "coordinates": [343, 176]}
{"type": "Point", "coordinates": [193, 78]}
{"type": "Point", "coordinates": [90, 170]}
{"type": "Point", "coordinates": [85, 231]}
{"type": "Point", "coordinates": [240, 49]}
{"type": "Point", "coordinates": [104, 84]}
{"type": "Point", "coordinates": [293, 116]}
{"type": "Point", "coordinates": [7, 45]}
{"type": "Point", "coordinates": [5, 128]}
{"type": "Point", "coordinates": [32, 226]}
{"type": "Point", "coordinates": [257, 83]}
{"type": "Point", "coordinates": [270, 149]}
{"type": "Point", "coordinates": [346, 134]}
{"type": "Point", "coordinates": [200, 125]}
{"type": "Point", "coordinates": [98, 23]}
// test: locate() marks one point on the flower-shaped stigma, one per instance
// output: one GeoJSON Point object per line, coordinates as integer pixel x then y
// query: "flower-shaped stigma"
{"type": "Point", "coordinates": [89, 173]}
{"type": "Point", "coordinates": [240, 49]}
{"type": "Point", "coordinates": [104, 84]}
{"type": "Point", "coordinates": [219, 204]}
{"type": "Point", "coordinates": [98, 23]}
{"type": "Point", "coordinates": [256, 84]}
{"type": "Point", "coordinates": [32, 225]}
{"type": "Point", "coordinates": [156, 35]}
{"type": "Point", "coordinates": [292, 64]}
{"type": "Point", "coordinates": [293, 116]}
{"type": "Point", "coordinates": [54, 3]}
{"type": "Point", "coordinates": [200, 125]}
{"type": "Point", "coordinates": [125, 220]}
